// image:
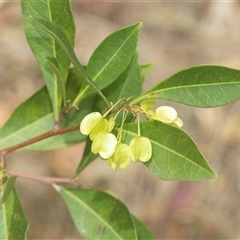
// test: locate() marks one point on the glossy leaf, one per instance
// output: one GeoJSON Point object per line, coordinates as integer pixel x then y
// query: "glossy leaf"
{"type": "Point", "coordinates": [146, 69]}
{"type": "Point", "coordinates": [98, 215]}
{"type": "Point", "coordinates": [143, 233]}
{"type": "Point", "coordinates": [52, 62]}
{"type": "Point", "coordinates": [13, 222]}
{"type": "Point", "coordinates": [110, 58]}
{"type": "Point", "coordinates": [174, 154]}
{"type": "Point", "coordinates": [88, 157]}
{"type": "Point", "coordinates": [44, 45]}
{"type": "Point", "coordinates": [128, 84]}
{"type": "Point", "coordinates": [64, 44]}
{"type": "Point", "coordinates": [202, 86]}
{"type": "Point", "coordinates": [34, 117]}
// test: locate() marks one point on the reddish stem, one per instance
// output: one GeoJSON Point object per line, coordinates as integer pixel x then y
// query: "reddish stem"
{"type": "Point", "coordinates": [43, 136]}
{"type": "Point", "coordinates": [42, 179]}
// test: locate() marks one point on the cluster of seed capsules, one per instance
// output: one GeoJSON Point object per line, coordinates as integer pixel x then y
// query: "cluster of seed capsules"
{"type": "Point", "coordinates": [111, 148]}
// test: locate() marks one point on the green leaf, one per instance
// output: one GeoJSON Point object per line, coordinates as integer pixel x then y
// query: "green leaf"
{"type": "Point", "coordinates": [110, 58]}
{"type": "Point", "coordinates": [67, 139]}
{"type": "Point", "coordinates": [98, 215]}
{"type": "Point", "coordinates": [62, 41]}
{"type": "Point", "coordinates": [146, 69]}
{"type": "Point", "coordinates": [54, 65]}
{"type": "Point", "coordinates": [128, 84]}
{"type": "Point", "coordinates": [8, 187]}
{"type": "Point", "coordinates": [34, 117]}
{"type": "Point", "coordinates": [13, 222]}
{"type": "Point", "coordinates": [202, 86]}
{"type": "Point", "coordinates": [174, 154]}
{"type": "Point", "coordinates": [143, 233]}
{"type": "Point", "coordinates": [31, 118]}
{"type": "Point", "coordinates": [44, 46]}
{"type": "Point", "coordinates": [88, 157]}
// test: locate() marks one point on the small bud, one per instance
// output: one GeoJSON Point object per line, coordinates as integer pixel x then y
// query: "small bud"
{"type": "Point", "coordinates": [89, 122]}
{"type": "Point", "coordinates": [104, 144]}
{"type": "Point", "coordinates": [140, 149]}
{"type": "Point", "coordinates": [147, 105]}
{"type": "Point", "coordinates": [111, 124]}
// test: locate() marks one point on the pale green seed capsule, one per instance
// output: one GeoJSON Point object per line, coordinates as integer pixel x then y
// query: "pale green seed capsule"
{"type": "Point", "coordinates": [104, 144]}
{"type": "Point", "coordinates": [89, 122]}
{"type": "Point", "coordinates": [140, 149]}
{"type": "Point", "coordinates": [165, 114]}
{"type": "Point", "coordinates": [101, 126]}
{"type": "Point", "coordinates": [120, 158]}
{"type": "Point", "coordinates": [178, 122]}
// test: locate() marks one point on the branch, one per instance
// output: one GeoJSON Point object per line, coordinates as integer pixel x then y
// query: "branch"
{"type": "Point", "coordinates": [43, 136]}
{"type": "Point", "coordinates": [42, 179]}
{"type": "Point", "coordinates": [64, 114]}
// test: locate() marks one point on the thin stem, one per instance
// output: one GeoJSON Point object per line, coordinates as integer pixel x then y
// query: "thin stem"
{"type": "Point", "coordinates": [2, 162]}
{"type": "Point", "coordinates": [141, 98]}
{"type": "Point", "coordinates": [139, 132]}
{"type": "Point", "coordinates": [42, 179]}
{"type": "Point", "coordinates": [111, 108]}
{"type": "Point", "coordinates": [119, 137]}
{"type": "Point", "coordinates": [43, 136]}
{"type": "Point", "coordinates": [64, 114]}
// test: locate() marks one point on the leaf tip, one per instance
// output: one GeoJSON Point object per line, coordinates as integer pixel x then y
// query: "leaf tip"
{"type": "Point", "coordinates": [140, 24]}
{"type": "Point", "coordinates": [57, 188]}
{"type": "Point", "coordinates": [214, 175]}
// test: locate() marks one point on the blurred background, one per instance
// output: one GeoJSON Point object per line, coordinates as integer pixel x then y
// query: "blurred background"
{"type": "Point", "coordinates": [175, 35]}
